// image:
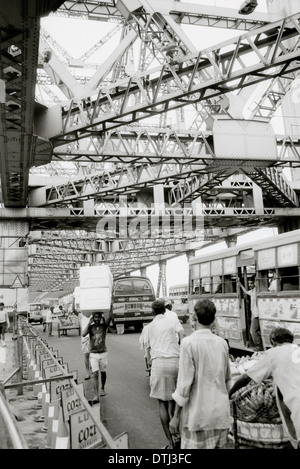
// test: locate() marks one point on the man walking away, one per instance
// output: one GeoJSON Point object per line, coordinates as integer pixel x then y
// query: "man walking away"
{"type": "Point", "coordinates": [202, 403]}
{"type": "Point", "coordinates": [44, 316]}
{"type": "Point", "coordinates": [163, 353]}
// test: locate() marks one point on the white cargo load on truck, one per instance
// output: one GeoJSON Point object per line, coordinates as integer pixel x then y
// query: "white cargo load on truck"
{"type": "Point", "coordinates": [96, 284]}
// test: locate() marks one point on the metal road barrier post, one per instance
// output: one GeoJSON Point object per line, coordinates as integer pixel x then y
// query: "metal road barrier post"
{"type": "Point", "coordinates": [63, 427]}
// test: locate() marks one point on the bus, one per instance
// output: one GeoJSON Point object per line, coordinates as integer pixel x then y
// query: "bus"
{"type": "Point", "coordinates": [274, 263]}
{"type": "Point", "coordinates": [179, 291]}
{"type": "Point", "coordinates": [179, 297]}
{"type": "Point", "coordinates": [131, 303]}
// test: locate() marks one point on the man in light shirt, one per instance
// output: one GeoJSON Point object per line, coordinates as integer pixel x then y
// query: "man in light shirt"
{"type": "Point", "coordinates": [162, 348]}
{"type": "Point", "coordinates": [173, 317]}
{"type": "Point", "coordinates": [202, 402]}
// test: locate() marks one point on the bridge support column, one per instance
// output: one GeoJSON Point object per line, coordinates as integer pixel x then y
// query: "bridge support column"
{"type": "Point", "coordinates": [162, 281]}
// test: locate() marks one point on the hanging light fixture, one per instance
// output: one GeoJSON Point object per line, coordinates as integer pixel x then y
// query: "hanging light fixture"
{"type": "Point", "coordinates": [248, 7]}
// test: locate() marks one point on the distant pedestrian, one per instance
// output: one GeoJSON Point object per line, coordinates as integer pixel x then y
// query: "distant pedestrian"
{"type": "Point", "coordinates": [44, 316]}
{"type": "Point", "coordinates": [202, 412]}
{"type": "Point", "coordinates": [62, 312]}
{"type": "Point", "coordinates": [162, 349]}
{"type": "Point", "coordinates": [49, 320]}
{"type": "Point", "coordinates": [96, 328]}
{"type": "Point", "coordinates": [169, 313]}
{"type": "Point", "coordinates": [4, 324]}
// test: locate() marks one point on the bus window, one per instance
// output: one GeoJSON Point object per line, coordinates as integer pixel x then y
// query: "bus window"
{"type": "Point", "coordinates": [217, 284]}
{"type": "Point", "coordinates": [289, 278]}
{"type": "Point", "coordinates": [205, 285]}
{"type": "Point", "coordinates": [263, 280]}
{"type": "Point", "coordinates": [142, 286]}
{"type": "Point", "coordinates": [122, 287]}
{"type": "Point", "coordinates": [272, 280]}
{"type": "Point", "coordinates": [229, 284]}
{"type": "Point", "coordinates": [196, 286]}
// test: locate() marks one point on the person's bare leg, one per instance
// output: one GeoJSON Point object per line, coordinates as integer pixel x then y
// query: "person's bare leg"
{"type": "Point", "coordinates": [165, 420]}
{"type": "Point", "coordinates": [95, 377]}
{"type": "Point", "coordinates": [103, 381]}
{"type": "Point", "coordinates": [87, 364]}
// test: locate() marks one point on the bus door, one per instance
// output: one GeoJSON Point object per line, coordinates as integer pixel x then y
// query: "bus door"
{"type": "Point", "coordinates": [246, 270]}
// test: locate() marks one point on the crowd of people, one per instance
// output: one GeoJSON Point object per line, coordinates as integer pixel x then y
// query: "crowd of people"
{"type": "Point", "coordinates": [190, 378]}
{"type": "Point", "coordinates": [190, 374]}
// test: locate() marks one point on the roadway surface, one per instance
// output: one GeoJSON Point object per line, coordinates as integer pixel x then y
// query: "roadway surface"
{"type": "Point", "coordinates": [127, 406]}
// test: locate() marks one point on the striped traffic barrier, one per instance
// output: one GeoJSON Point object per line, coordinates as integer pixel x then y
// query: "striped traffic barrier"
{"type": "Point", "coordinates": [53, 416]}
{"type": "Point", "coordinates": [45, 411]}
{"type": "Point", "coordinates": [31, 370]}
{"type": "Point", "coordinates": [55, 426]}
{"type": "Point", "coordinates": [38, 389]}
{"type": "Point", "coordinates": [42, 400]}
{"type": "Point", "coordinates": [62, 440]}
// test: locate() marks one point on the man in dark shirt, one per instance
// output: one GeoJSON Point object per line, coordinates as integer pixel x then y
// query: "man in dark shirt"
{"type": "Point", "coordinates": [97, 328]}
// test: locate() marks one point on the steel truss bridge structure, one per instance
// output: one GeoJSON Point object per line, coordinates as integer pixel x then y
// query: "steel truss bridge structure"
{"type": "Point", "coordinates": [149, 152]}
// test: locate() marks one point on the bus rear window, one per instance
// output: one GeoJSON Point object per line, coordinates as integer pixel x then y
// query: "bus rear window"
{"type": "Point", "coordinates": [130, 286]}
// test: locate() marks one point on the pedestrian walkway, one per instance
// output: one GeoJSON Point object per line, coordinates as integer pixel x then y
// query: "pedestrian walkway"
{"type": "Point", "coordinates": [7, 360]}
{"type": "Point", "coordinates": [32, 409]}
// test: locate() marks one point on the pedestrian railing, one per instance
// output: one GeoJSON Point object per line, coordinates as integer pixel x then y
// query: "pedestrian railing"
{"type": "Point", "coordinates": [69, 421]}
{"type": "Point", "coordinates": [10, 437]}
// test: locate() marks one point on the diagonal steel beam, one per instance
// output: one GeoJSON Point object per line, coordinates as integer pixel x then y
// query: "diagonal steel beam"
{"type": "Point", "coordinates": [197, 77]}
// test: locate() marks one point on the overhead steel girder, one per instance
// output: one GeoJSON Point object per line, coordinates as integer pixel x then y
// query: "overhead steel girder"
{"type": "Point", "coordinates": [128, 181]}
{"type": "Point", "coordinates": [197, 77]}
{"type": "Point", "coordinates": [156, 145]}
{"type": "Point", "coordinates": [181, 12]}
{"type": "Point", "coordinates": [71, 245]}
{"type": "Point", "coordinates": [184, 182]}
{"type": "Point", "coordinates": [133, 254]}
{"type": "Point", "coordinates": [270, 100]}
{"type": "Point", "coordinates": [19, 147]}
{"type": "Point", "coordinates": [113, 224]}
{"type": "Point", "coordinates": [274, 185]}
